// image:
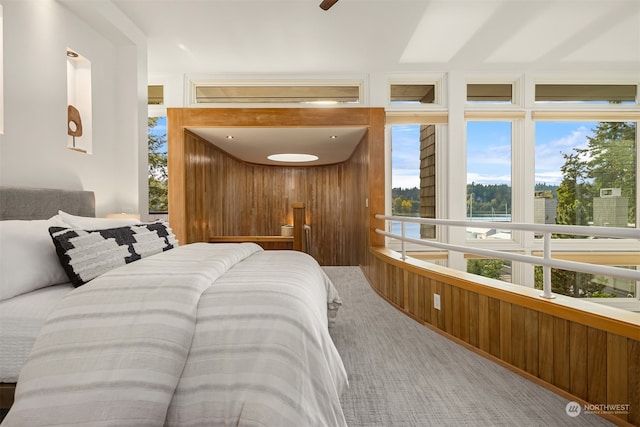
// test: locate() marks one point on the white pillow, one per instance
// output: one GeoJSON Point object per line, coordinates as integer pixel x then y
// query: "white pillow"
{"type": "Point", "coordinates": [28, 259]}
{"type": "Point", "coordinates": [89, 223]}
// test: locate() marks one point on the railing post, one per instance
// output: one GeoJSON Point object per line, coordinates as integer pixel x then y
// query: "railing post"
{"type": "Point", "coordinates": [546, 270]}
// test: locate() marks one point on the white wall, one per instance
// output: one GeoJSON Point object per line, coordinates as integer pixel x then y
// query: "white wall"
{"type": "Point", "coordinates": [33, 149]}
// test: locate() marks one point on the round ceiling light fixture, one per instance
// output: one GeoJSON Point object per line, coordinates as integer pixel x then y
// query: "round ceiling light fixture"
{"type": "Point", "coordinates": [292, 157]}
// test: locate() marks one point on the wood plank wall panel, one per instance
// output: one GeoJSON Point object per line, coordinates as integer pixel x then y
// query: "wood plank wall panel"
{"type": "Point", "coordinates": [198, 186]}
{"type": "Point", "coordinates": [561, 354]}
{"type": "Point", "coordinates": [474, 319]}
{"type": "Point", "coordinates": [483, 323]}
{"type": "Point", "coordinates": [531, 341]}
{"type": "Point", "coordinates": [578, 371]}
{"type": "Point", "coordinates": [518, 337]}
{"type": "Point", "coordinates": [545, 362]}
{"type": "Point", "coordinates": [596, 366]}
{"type": "Point", "coordinates": [505, 332]}
{"type": "Point", "coordinates": [464, 315]}
{"type": "Point", "coordinates": [617, 371]}
{"type": "Point", "coordinates": [590, 363]}
{"type": "Point", "coordinates": [494, 327]}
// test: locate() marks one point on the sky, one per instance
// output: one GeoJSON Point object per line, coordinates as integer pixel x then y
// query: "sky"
{"type": "Point", "coordinates": [161, 129]}
{"type": "Point", "coordinates": [489, 151]}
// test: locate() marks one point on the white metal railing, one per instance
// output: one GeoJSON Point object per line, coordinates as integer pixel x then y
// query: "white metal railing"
{"type": "Point", "coordinates": [545, 229]}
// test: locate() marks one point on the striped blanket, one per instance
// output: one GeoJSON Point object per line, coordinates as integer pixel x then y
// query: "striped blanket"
{"type": "Point", "coordinates": [204, 334]}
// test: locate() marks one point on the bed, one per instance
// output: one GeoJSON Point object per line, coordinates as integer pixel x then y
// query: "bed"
{"type": "Point", "coordinates": [198, 334]}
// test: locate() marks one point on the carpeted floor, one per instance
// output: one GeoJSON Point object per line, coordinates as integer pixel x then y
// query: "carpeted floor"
{"type": "Point", "coordinates": [403, 374]}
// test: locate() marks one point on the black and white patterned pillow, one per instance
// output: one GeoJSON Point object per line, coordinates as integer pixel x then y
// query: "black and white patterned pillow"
{"type": "Point", "coordinates": [86, 254]}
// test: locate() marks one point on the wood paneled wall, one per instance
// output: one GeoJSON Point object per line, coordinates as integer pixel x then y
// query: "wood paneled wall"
{"type": "Point", "coordinates": [214, 194]}
{"type": "Point", "coordinates": [241, 199]}
{"type": "Point", "coordinates": [593, 355]}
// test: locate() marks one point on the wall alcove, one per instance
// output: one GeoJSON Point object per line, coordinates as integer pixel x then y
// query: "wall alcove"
{"type": "Point", "coordinates": [214, 193]}
{"type": "Point", "coordinates": [79, 120]}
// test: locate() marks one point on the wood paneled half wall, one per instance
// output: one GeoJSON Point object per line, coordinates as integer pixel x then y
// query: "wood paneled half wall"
{"type": "Point", "coordinates": [586, 351]}
{"type": "Point", "coordinates": [212, 193]}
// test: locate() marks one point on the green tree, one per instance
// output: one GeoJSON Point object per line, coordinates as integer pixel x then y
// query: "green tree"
{"type": "Point", "coordinates": [574, 192]}
{"type": "Point", "coordinates": [612, 160]}
{"type": "Point", "coordinates": [406, 206]}
{"type": "Point", "coordinates": [158, 177]}
{"type": "Point", "coordinates": [571, 283]}
{"type": "Point", "coordinates": [485, 267]}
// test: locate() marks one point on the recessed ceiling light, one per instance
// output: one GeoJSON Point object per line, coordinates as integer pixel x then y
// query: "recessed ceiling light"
{"type": "Point", "coordinates": [333, 137]}
{"type": "Point", "coordinates": [327, 102]}
{"type": "Point", "coordinates": [71, 54]}
{"type": "Point", "coordinates": [292, 157]}
{"type": "Point", "coordinates": [229, 137]}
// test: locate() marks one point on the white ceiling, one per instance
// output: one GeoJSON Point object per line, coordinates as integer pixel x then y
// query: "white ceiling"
{"type": "Point", "coordinates": [296, 36]}
{"type": "Point", "coordinates": [267, 37]}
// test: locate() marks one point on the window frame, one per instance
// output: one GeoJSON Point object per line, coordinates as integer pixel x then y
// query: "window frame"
{"type": "Point", "coordinates": [193, 81]}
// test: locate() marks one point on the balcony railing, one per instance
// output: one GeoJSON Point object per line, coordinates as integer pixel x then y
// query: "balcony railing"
{"type": "Point", "coordinates": [545, 230]}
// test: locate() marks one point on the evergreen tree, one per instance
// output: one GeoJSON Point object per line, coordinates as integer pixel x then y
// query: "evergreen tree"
{"type": "Point", "coordinates": [574, 192]}
{"type": "Point", "coordinates": [612, 160]}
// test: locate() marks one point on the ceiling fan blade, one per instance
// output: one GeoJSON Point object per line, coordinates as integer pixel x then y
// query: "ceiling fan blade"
{"type": "Point", "coordinates": [326, 4]}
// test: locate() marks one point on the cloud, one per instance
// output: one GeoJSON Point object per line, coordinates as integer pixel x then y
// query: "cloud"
{"type": "Point", "coordinates": [548, 155]}
{"type": "Point", "coordinates": [551, 178]}
{"type": "Point", "coordinates": [405, 178]}
{"type": "Point", "coordinates": [479, 178]}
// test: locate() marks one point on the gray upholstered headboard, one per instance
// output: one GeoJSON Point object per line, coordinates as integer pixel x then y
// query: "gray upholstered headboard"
{"type": "Point", "coordinates": [43, 203]}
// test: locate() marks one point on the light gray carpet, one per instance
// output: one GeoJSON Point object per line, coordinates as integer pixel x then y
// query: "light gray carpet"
{"type": "Point", "coordinates": [403, 374]}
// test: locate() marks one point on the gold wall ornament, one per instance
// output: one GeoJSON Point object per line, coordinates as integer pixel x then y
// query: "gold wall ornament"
{"type": "Point", "coordinates": [74, 126]}
{"type": "Point", "coordinates": [74, 122]}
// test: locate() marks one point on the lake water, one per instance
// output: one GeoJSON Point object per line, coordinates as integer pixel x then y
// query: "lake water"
{"type": "Point", "coordinates": [412, 229]}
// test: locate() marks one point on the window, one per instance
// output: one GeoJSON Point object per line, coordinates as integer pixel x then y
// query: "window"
{"type": "Point", "coordinates": [413, 181]}
{"type": "Point", "coordinates": [585, 93]}
{"type": "Point", "coordinates": [158, 172]}
{"type": "Point", "coordinates": [277, 92]}
{"type": "Point", "coordinates": [586, 173]}
{"type": "Point", "coordinates": [584, 285]}
{"type": "Point", "coordinates": [499, 93]}
{"type": "Point", "coordinates": [413, 93]}
{"type": "Point", "coordinates": [155, 95]}
{"type": "Point", "coordinates": [493, 268]}
{"type": "Point", "coordinates": [489, 191]}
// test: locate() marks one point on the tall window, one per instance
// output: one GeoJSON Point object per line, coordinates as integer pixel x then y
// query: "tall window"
{"type": "Point", "coordinates": [413, 180]}
{"type": "Point", "coordinates": [158, 173]}
{"type": "Point", "coordinates": [489, 192]}
{"type": "Point", "coordinates": [586, 173]}
{"type": "Point", "coordinates": [405, 176]}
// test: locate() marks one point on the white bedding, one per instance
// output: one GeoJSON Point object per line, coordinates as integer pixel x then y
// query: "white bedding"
{"type": "Point", "coordinates": [204, 334]}
{"type": "Point", "coordinates": [21, 318]}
